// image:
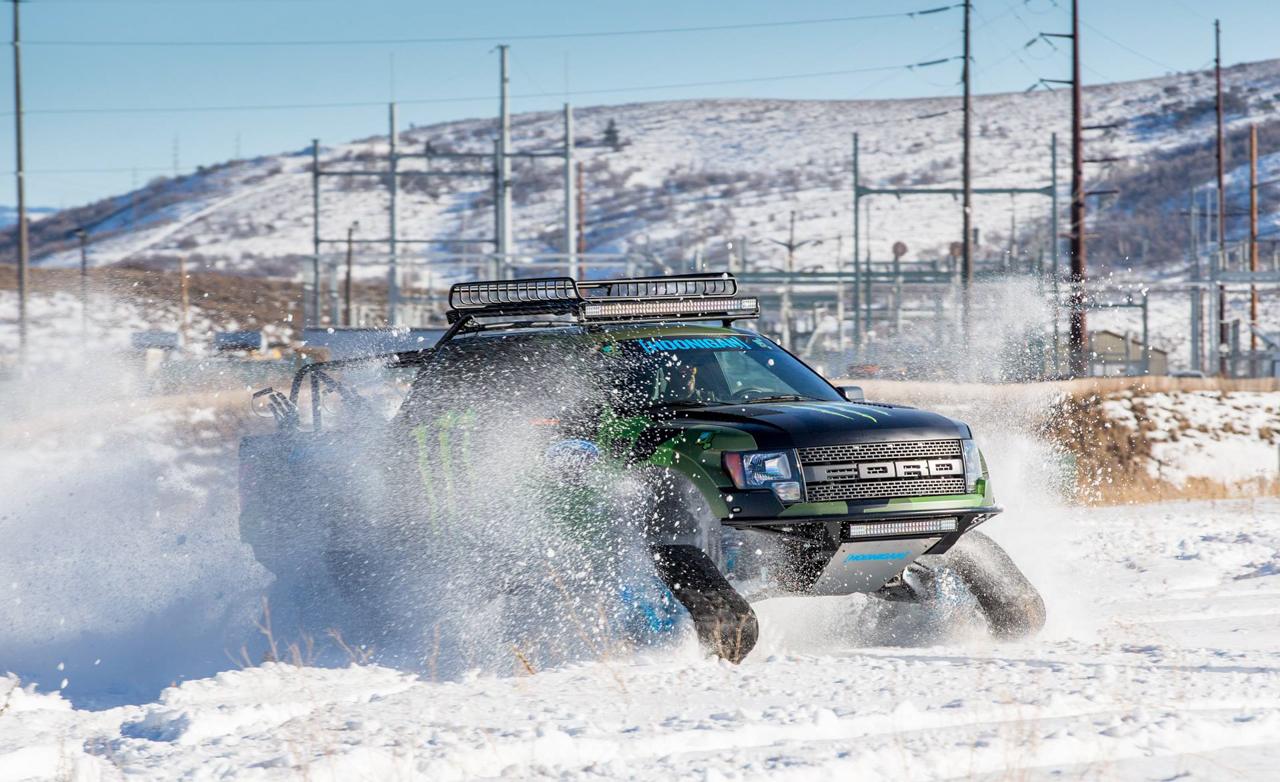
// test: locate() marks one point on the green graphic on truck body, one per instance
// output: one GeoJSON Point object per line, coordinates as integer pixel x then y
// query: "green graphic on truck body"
{"type": "Point", "coordinates": [692, 448]}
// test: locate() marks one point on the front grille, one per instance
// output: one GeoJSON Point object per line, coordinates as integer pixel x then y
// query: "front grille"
{"type": "Point", "coordinates": [873, 452]}
{"type": "Point", "coordinates": [869, 490]}
{"type": "Point", "coordinates": [839, 467]}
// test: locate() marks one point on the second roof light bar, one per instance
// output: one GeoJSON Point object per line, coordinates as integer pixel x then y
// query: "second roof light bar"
{"type": "Point", "coordinates": [679, 297]}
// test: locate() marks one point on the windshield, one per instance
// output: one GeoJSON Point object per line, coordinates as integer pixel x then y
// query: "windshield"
{"type": "Point", "coordinates": [714, 370]}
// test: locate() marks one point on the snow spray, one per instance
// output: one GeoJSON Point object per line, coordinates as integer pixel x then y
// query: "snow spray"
{"type": "Point", "coordinates": [474, 530]}
{"type": "Point", "coordinates": [973, 382]}
{"type": "Point", "coordinates": [120, 568]}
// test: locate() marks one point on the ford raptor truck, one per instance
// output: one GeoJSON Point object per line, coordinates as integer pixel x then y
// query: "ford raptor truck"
{"type": "Point", "coordinates": [637, 413]}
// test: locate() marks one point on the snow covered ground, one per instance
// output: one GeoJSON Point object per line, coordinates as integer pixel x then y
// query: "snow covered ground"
{"type": "Point", "coordinates": [1160, 661]}
{"type": "Point", "coordinates": [1222, 437]}
{"type": "Point", "coordinates": [127, 595]}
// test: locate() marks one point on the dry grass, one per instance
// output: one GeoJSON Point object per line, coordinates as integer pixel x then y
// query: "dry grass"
{"type": "Point", "coordinates": [249, 302]}
{"type": "Point", "coordinates": [1112, 460]}
{"type": "Point", "coordinates": [300, 652]}
{"type": "Point", "coordinates": [1152, 490]}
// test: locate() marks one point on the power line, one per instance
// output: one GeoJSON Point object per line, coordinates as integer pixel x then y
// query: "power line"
{"type": "Point", "coordinates": [520, 37]}
{"type": "Point", "coordinates": [476, 98]}
{"type": "Point", "coordinates": [1129, 49]}
{"type": "Point", "coordinates": [163, 2]}
{"type": "Point", "coordinates": [131, 170]}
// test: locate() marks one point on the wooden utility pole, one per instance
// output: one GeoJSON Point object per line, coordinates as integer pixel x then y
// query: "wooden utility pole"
{"type": "Point", "coordinates": [1079, 363]}
{"type": "Point", "coordinates": [506, 241]}
{"type": "Point", "coordinates": [24, 249]}
{"type": "Point", "coordinates": [966, 175]}
{"type": "Point", "coordinates": [1224, 333]}
{"type": "Point", "coordinates": [1253, 241]}
{"type": "Point", "coordinates": [581, 212]}
{"type": "Point", "coordinates": [570, 198]}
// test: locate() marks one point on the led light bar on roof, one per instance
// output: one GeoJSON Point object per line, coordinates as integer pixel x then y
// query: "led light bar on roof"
{"type": "Point", "coordinates": [912, 527]}
{"type": "Point", "coordinates": [675, 287]}
{"type": "Point", "coordinates": [479, 295]}
{"type": "Point", "coordinates": [674, 308]}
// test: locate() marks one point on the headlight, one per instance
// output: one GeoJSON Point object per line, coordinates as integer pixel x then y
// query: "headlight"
{"type": "Point", "coordinates": [972, 464]}
{"type": "Point", "coordinates": [764, 470]}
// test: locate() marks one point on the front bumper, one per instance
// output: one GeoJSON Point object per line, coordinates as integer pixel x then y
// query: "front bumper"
{"type": "Point", "coordinates": [836, 527]}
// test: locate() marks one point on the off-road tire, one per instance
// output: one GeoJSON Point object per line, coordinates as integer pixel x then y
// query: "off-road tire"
{"type": "Point", "coordinates": [725, 623]}
{"type": "Point", "coordinates": [1012, 606]}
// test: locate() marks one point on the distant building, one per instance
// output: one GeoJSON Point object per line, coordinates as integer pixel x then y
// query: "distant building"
{"type": "Point", "coordinates": [1121, 354]}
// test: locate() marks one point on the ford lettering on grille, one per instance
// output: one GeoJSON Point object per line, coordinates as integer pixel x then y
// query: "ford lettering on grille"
{"type": "Point", "coordinates": [858, 471]}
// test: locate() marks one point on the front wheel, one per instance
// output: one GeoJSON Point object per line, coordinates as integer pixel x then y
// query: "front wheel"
{"type": "Point", "coordinates": [1009, 602]}
{"type": "Point", "coordinates": [725, 623]}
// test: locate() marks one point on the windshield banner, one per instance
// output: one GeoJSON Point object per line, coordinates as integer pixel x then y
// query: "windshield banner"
{"type": "Point", "coordinates": [700, 343]}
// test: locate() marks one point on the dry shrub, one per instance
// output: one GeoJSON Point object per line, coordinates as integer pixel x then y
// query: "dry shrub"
{"type": "Point", "coordinates": [1112, 459]}
{"type": "Point", "coordinates": [1107, 455]}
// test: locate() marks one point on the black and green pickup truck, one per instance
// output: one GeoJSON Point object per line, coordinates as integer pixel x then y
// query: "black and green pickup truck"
{"type": "Point", "coordinates": [630, 410]}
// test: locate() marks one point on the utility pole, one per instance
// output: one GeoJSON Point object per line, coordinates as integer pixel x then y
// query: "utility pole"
{"type": "Point", "coordinates": [570, 199]}
{"type": "Point", "coordinates": [504, 164]}
{"type": "Point", "coordinates": [24, 250]}
{"type": "Point", "coordinates": [1054, 243]}
{"type": "Point", "coordinates": [313, 318]}
{"type": "Point", "coordinates": [1223, 332]}
{"type": "Point", "coordinates": [1079, 364]}
{"type": "Point", "coordinates": [792, 245]}
{"type": "Point", "coordinates": [1253, 243]}
{"type": "Point", "coordinates": [857, 262]}
{"type": "Point", "coordinates": [966, 262]}
{"type": "Point", "coordinates": [393, 276]}
{"type": "Point", "coordinates": [83, 236]}
{"type": "Point", "coordinates": [786, 289]}
{"type": "Point", "coordinates": [581, 211]}
{"type": "Point", "coordinates": [839, 294]}
{"type": "Point", "coordinates": [1197, 295]}
{"type": "Point", "coordinates": [346, 307]}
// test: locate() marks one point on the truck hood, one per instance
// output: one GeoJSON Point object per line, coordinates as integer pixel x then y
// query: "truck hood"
{"type": "Point", "coordinates": [805, 424]}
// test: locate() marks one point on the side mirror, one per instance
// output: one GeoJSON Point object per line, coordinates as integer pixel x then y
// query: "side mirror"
{"type": "Point", "coordinates": [852, 393]}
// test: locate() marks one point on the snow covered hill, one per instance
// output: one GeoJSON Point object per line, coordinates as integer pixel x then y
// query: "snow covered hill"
{"type": "Point", "coordinates": [687, 177]}
{"type": "Point", "coordinates": [9, 214]}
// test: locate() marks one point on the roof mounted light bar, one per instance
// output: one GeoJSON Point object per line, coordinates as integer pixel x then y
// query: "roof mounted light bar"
{"type": "Point", "coordinates": [681, 286]}
{"type": "Point", "coordinates": [658, 309]}
{"type": "Point", "coordinates": [652, 299]}
{"type": "Point", "coordinates": [501, 293]}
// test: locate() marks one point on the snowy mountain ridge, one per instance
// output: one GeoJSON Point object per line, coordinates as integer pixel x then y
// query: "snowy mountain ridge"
{"type": "Point", "coordinates": [687, 177]}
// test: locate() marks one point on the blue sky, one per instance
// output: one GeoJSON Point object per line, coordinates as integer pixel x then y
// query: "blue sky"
{"type": "Point", "coordinates": [77, 156]}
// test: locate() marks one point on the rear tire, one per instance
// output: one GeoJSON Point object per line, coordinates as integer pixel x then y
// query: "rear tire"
{"type": "Point", "coordinates": [1012, 606]}
{"type": "Point", "coordinates": [725, 623]}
